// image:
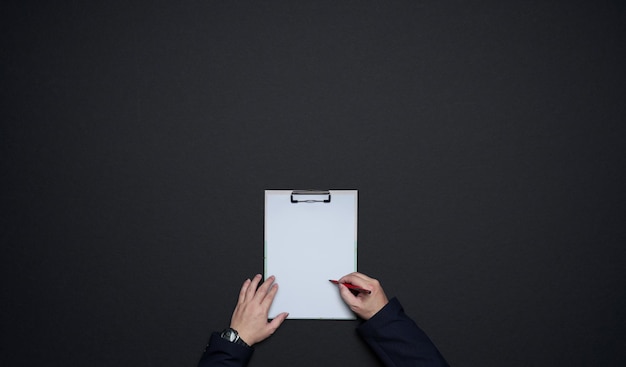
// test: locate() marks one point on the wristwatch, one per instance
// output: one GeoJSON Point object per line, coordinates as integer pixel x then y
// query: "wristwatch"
{"type": "Point", "coordinates": [232, 336]}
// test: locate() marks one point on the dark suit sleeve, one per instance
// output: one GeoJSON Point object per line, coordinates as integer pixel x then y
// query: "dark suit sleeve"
{"type": "Point", "coordinates": [397, 340]}
{"type": "Point", "coordinates": [222, 353]}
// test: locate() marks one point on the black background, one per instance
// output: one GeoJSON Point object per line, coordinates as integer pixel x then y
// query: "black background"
{"type": "Point", "coordinates": [486, 140]}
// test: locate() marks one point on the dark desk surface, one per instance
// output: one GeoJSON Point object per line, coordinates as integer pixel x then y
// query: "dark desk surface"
{"type": "Point", "coordinates": [486, 142]}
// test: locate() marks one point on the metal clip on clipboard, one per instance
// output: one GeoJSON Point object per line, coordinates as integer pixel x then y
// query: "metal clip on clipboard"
{"type": "Point", "coordinates": [310, 196]}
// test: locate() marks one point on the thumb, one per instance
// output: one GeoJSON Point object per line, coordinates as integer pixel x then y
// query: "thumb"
{"type": "Point", "coordinates": [346, 295]}
{"type": "Point", "coordinates": [277, 321]}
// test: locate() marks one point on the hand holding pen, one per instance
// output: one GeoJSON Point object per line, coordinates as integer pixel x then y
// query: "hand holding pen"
{"type": "Point", "coordinates": [369, 298]}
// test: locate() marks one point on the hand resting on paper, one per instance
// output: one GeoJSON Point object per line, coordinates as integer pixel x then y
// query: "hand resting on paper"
{"type": "Point", "coordinates": [363, 304]}
{"type": "Point", "coordinates": [248, 325]}
{"type": "Point", "coordinates": [250, 314]}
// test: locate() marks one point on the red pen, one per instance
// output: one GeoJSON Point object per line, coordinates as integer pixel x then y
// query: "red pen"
{"type": "Point", "coordinates": [352, 287]}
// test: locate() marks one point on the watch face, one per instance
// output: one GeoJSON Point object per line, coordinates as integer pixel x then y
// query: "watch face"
{"type": "Point", "coordinates": [230, 335]}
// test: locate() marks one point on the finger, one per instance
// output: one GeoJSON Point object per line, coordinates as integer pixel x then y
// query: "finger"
{"type": "Point", "coordinates": [262, 292]}
{"type": "Point", "coordinates": [242, 292]}
{"type": "Point", "coordinates": [353, 275]}
{"type": "Point", "coordinates": [346, 278]}
{"type": "Point", "coordinates": [354, 278]}
{"type": "Point", "coordinates": [363, 277]}
{"type": "Point", "coordinates": [269, 298]}
{"type": "Point", "coordinates": [253, 286]}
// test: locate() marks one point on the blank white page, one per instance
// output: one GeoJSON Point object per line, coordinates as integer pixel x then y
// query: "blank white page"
{"type": "Point", "coordinates": [306, 244]}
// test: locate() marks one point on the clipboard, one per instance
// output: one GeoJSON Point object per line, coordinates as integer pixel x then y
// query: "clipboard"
{"type": "Point", "coordinates": [310, 237]}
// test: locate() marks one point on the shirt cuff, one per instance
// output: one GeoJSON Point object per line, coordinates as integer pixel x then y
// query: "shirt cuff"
{"type": "Point", "coordinates": [381, 318]}
{"type": "Point", "coordinates": [220, 350]}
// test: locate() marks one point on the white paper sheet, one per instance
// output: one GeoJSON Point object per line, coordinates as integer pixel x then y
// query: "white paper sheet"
{"type": "Point", "coordinates": [306, 244]}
